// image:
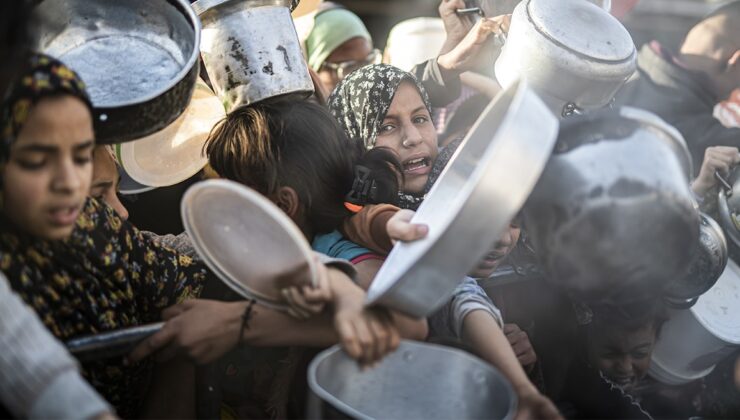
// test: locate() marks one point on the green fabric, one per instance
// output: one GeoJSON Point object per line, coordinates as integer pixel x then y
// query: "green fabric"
{"type": "Point", "coordinates": [332, 28]}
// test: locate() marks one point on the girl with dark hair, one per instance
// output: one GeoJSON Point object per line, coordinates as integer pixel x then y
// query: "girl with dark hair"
{"type": "Point", "coordinates": [384, 106]}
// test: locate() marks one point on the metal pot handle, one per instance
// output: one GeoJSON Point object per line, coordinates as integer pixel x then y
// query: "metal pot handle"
{"type": "Point", "coordinates": [471, 11]}
{"type": "Point", "coordinates": [680, 305]}
{"type": "Point", "coordinates": [723, 182]}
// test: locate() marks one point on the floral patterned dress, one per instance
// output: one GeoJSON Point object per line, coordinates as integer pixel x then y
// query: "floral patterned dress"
{"type": "Point", "coordinates": [106, 276]}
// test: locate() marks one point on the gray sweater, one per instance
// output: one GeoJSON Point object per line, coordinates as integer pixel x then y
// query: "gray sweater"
{"type": "Point", "coordinates": [39, 378]}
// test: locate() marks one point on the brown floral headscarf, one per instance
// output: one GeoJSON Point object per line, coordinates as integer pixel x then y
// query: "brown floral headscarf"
{"type": "Point", "coordinates": [44, 77]}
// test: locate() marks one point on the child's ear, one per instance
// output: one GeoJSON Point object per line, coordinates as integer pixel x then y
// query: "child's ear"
{"type": "Point", "coordinates": [287, 200]}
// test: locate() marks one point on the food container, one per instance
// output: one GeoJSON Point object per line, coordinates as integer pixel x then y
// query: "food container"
{"type": "Point", "coordinates": [694, 340]}
{"type": "Point", "coordinates": [247, 241]}
{"type": "Point", "coordinates": [475, 198]}
{"type": "Point", "coordinates": [574, 54]}
{"type": "Point", "coordinates": [251, 51]}
{"type": "Point", "coordinates": [609, 220]}
{"type": "Point", "coordinates": [417, 381]}
{"type": "Point", "coordinates": [138, 58]}
{"type": "Point", "coordinates": [175, 153]}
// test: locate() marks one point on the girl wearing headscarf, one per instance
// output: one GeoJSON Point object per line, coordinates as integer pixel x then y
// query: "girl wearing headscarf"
{"type": "Point", "coordinates": [387, 107]}
{"type": "Point", "coordinates": [71, 258]}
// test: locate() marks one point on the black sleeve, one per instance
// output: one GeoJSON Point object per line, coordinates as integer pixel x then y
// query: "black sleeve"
{"type": "Point", "coordinates": [441, 87]}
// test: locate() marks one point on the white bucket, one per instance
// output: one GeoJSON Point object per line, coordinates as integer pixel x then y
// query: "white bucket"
{"type": "Point", "coordinates": [693, 341]}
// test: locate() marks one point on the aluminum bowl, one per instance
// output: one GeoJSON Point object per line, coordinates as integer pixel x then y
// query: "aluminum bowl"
{"type": "Point", "coordinates": [138, 58]}
{"type": "Point", "coordinates": [417, 381]}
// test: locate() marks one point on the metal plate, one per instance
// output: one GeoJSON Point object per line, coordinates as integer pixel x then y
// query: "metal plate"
{"type": "Point", "coordinates": [483, 187]}
{"type": "Point", "coordinates": [110, 344]}
{"type": "Point", "coordinates": [417, 381]}
{"type": "Point", "coordinates": [174, 154]}
{"type": "Point", "coordinates": [248, 242]}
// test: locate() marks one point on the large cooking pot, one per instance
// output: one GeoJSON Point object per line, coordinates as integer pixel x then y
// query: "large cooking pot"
{"type": "Point", "coordinates": [481, 190]}
{"type": "Point", "coordinates": [694, 340]}
{"type": "Point", "coordinates": [728, 205]}
{"type": "Point", "coordinates": [710, 260]}
{"type": "Point", "coordinates": [574, 54]}
{"type": "Point", "coordinates": [612, 217]}
{"type": "Point", "coordinates": [417, 381]}
{"type": "Point", "coordinates": [138, 58]}
{"type": "Point", "coordinates": [251, 50]}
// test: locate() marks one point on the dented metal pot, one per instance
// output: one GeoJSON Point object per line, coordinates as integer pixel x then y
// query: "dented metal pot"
{"type": "Point", "coordinates": [251, 51]}
{"type": "Point", "coordinates": [612, 217]}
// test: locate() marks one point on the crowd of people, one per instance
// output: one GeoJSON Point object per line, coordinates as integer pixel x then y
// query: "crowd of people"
{"type": "Point", "coordinates": [72, 263]}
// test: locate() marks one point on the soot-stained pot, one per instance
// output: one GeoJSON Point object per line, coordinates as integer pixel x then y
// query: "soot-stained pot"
{"type": "Point", "coordinates": [574, 54]}
{"type": "Point", "coordinates": [612, 217]}
{"type": "Point", "coordinates": [251, 50]}
{"type": "Point", "coordinates": [138, 58]}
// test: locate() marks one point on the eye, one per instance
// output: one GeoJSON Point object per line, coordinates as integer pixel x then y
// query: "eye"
{"type": "Point", "coordinates": [387, 128]}
{"type": "Point", "coordinates": [421, 119]}
{"type": "Point", "coordinates": [83, 159]}
{"type": "Point", "coordinates": [639, 355]}
{"type": "Point", "coordinates": [31, 163]}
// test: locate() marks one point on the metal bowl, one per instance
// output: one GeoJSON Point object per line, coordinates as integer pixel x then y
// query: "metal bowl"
{"type": "Point", "coordinates": [138, 59]}
{"type": "Point", "coordinates": [110, 344]}
{"type": "Point", "coordinates": [728, 204]}
{"type": "Point", "coordinates": [709, 262]}
{"type": "Point", "coordinates": [475, 198]}
{"type": "Point", "coordinates": [417, 381]}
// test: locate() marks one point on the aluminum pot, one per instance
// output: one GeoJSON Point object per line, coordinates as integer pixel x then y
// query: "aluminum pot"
{"type": "Point", "coordinates": [251, 51]}
{"type": "Point", "coordinates": [612, 218]}
{"type": "Point", "coordinates": [480, 191]}
{"type": "Point", "coordinates": [574, 54]}
{"type": "Point", "coordinates": [138, 58]}
{"type": "Point", "coordinates": [728, 205]}
{"type": "Point", "coordinates": [710, 260]}
{"type": "Point", "coordinates": [694, 340]}
{"type": "Point", "coordinates": [417, 381]}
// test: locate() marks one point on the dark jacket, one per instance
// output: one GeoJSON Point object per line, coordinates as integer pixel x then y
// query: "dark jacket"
{"type": "Point", "coordinates": [679, 97]}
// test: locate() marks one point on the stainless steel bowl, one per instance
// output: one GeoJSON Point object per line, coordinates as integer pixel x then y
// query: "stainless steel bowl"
{"type": "Point", "coordinates": [417, 381]}
{"type": "Point", "coordinates": [709, 262]}
{"type": "Point", "coordinates": [138, 59]}
{"type": "Point", "coordinates": [609, 219]}
{"type": "Point", "coordinates": [475, 198]}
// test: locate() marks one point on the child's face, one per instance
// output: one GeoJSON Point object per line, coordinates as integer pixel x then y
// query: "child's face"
{"type": "Point", "coordinates": [622, 355]}
{"type": "Point", "coordinates": [501, 249]}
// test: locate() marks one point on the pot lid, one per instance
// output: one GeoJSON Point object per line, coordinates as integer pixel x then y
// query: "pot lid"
{"type": "Point", "coordinates": [718, 310]}
{"type": "Point", "coordinates": [583, 28]}
{"type": "Point", "coordinates": [175, 153]}
{"type": "Point", "coordinates": [248, 242]}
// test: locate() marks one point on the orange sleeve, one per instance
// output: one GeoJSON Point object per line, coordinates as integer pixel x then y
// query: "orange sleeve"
{"type": "Point", "coordinates": [368, 227]}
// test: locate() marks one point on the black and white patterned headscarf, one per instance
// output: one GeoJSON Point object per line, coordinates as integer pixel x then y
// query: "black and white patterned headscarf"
{"type": "Point", "coordinates": [361, 101]}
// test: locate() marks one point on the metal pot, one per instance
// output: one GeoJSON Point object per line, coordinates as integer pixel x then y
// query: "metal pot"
{"type": "Point", "coordinates": [475, 198]}
{"type": "Point", "coordinates": [417, 381]}
{"type": "Point", "coordinates": [251, 50]}
{"type": "Point", "coordinates": [110, 344]}
{"type": "Point", "coordinates": [710, 260]}
{"type": "Point", "coordinates": [574, 54]}
{"type": "Point", "coordinates": [612, 218]}
{"type": "Point", "coordinates": [138, 59]}
{"type": "Point", "coordinates": [728, 204]}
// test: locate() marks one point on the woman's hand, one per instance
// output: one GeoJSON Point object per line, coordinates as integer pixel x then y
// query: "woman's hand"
{"type": "Point", "coordinates": [464, 55]}
{"type": "Point", "coordinates": [202, 329]}
{"type": "Point", "coordinates": [521, 345]}
{"type": "Point", "coordinates": [400, 228]}
{"type": "Point", "coordinates": [456, 26]}
{"type": "Point", "coordinates": [366, 334]}
{"type": "Point", "coordinates": [716, 159]}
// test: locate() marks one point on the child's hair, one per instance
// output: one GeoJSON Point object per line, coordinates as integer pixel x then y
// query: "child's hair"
{"type": "Point", "coordinates": [611, 318]}
{"type": "Point", "coordinates": [295, 143]}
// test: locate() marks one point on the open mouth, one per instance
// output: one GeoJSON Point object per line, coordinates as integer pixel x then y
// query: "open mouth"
{"type": "Point", "coordinates": [64, 215]}
{"type": "Point", "coordinates": [417, 165]}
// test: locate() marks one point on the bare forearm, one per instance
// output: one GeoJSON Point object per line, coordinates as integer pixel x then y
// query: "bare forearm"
{"type": "Point", "coordinates": [484, 335]}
